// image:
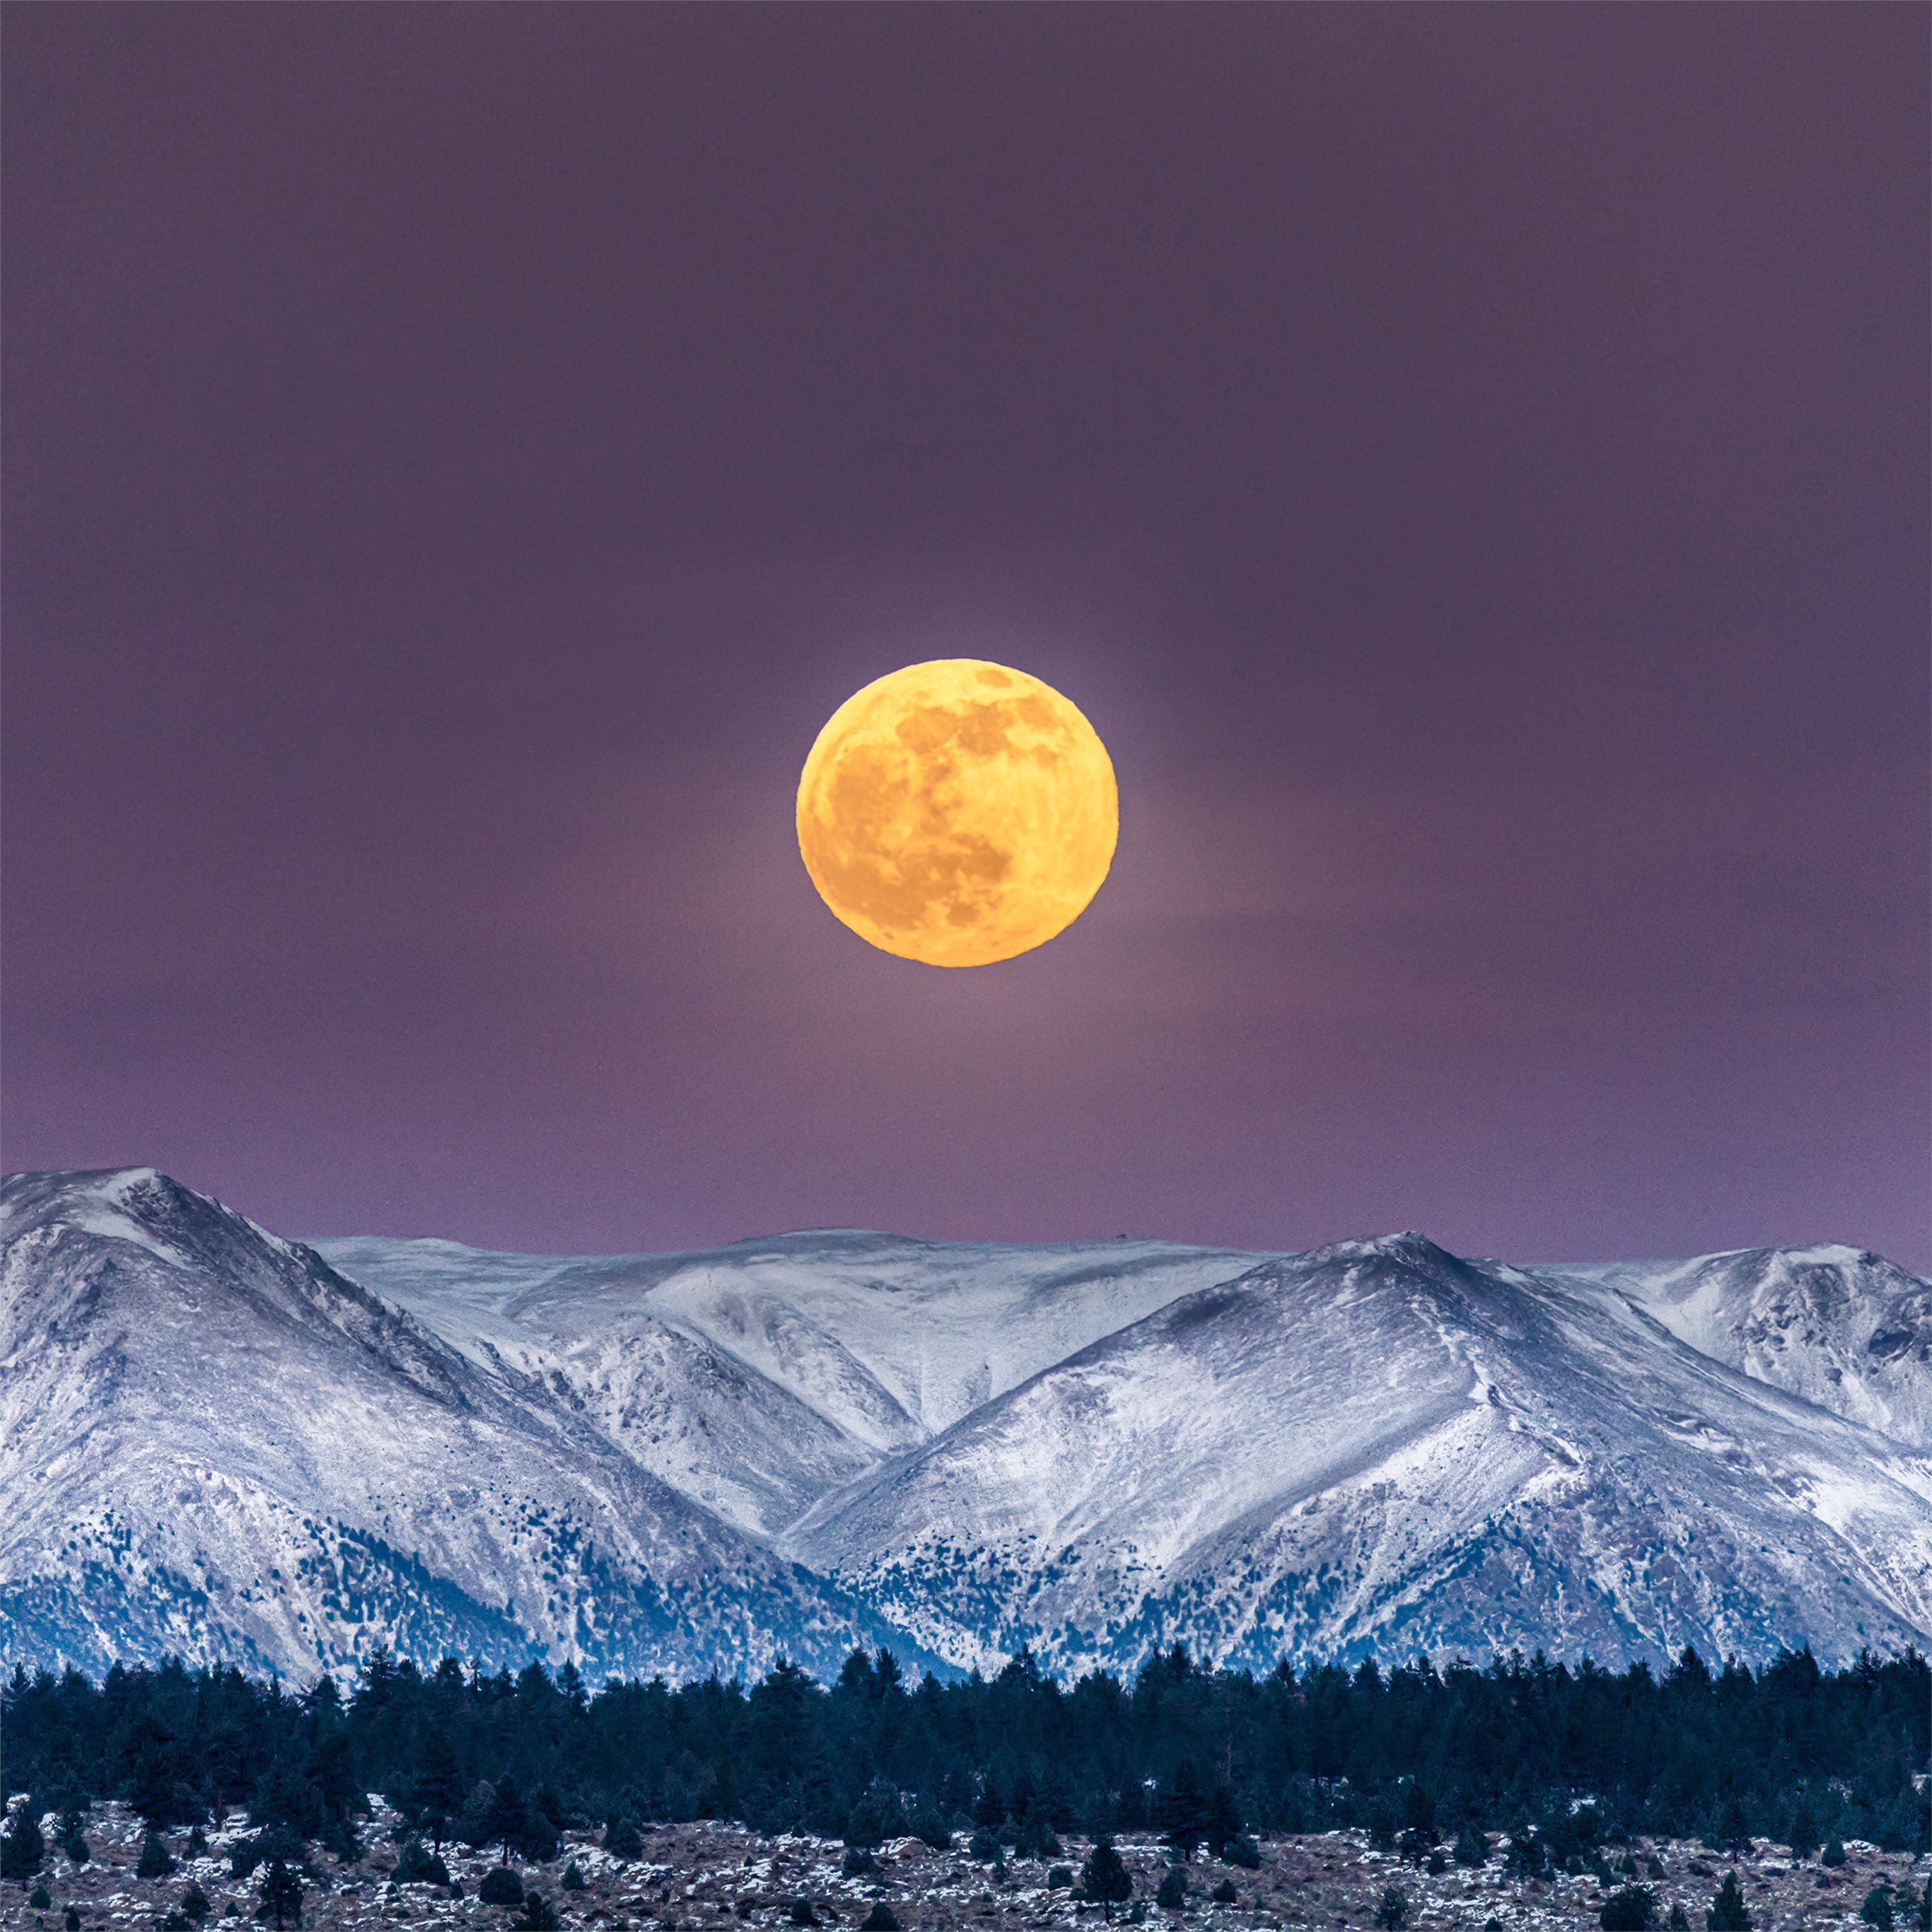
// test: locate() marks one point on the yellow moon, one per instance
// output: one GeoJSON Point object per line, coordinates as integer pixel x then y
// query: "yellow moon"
{"type": "Point", "coordinates": [957, 812]}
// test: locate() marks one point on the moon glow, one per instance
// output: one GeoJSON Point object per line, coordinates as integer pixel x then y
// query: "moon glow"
{"type": "Point", "coordinates": [957, 812]}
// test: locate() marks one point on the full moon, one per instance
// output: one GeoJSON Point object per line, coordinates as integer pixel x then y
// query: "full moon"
{"type": "Point", "coordinates": [957, 812]}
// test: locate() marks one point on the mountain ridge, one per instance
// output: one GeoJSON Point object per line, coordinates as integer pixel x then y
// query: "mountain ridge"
{"type": "Point", "coordinates": [798, 1442]}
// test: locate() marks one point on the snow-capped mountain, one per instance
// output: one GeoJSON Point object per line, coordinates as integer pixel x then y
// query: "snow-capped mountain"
{"type": "Point", "coordinates": [219, 1443]}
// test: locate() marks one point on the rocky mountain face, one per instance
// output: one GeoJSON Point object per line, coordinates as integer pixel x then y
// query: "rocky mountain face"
{"type": "Point", "coordinates": [220, 1444]}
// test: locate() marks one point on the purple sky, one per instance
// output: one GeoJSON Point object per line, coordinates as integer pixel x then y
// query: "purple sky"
{"type": "Point", "coordinates": [1470, 464]}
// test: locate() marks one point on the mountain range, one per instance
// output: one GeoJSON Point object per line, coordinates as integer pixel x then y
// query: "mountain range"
{"type": "Point", "coordinates": [222, 1444]}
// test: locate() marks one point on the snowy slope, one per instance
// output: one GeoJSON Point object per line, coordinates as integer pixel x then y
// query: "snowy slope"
{"type": "Point", "coordinates": [1380, 1446]}
{"type": "Point", "coordinates": [1846, 1329]}
{"type": "Point", "coordinates": [219, 1442]}
{"type": "Point", "coordinates": [757, 1377]}
{"type": "Point", "coordinates": [211, 1442]}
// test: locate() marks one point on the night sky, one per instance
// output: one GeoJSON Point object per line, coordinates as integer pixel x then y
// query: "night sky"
{"type": "Point", "coordinates": [1469, 464]}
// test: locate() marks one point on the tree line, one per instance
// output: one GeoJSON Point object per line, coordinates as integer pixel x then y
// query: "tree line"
{"type": "Point", "coordinates": [1567, 1762]}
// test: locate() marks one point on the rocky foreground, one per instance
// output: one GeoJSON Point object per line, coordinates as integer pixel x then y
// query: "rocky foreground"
{"type": "Point", "coordinates": [690, 1877]}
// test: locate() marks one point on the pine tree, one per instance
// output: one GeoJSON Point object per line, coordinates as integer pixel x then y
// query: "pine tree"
{"type": "Point", "coordinates": [573, 1878]}
{"type": "Point", "coordinates": [1876, 1910]}
{"type": "Point", "coordinates": [194, 1903]}
{"type": "Point", "coordinates": [1183, 1809]}
{"type": "Point", "coordinates": [22, 1847]}
{"type": "Point", "coordinates": [435, 1786]}
{"type": "Point", "coordinates": [39, 1898]}
{"type": "Point", "coordinates": [1104, 1879]}
{"type": "Point", "coordinates": [1472, 1847]}
{"type": "Point", "coordinates": [622, 1838]}
{"type": "Point", "coordinates": [281, 1895]}
{"type": "Point", "coordinates": [1224, 1894]}
{"type": "Point", "coordinates": [539, 1914]}
{"type": "Point", "coordinates": [1172, 1893]}
{"type": "Point", "coordinates": [1834, 1853]}
{"type": "Point", "coordinates": [155, 1861]}
{"type": "Point", "coordinates": [1727, 1912]}
{"type": "Point", "coordinates": [506, 1818]}
{"type": "Point", "coordinates": [1224, 1820]}
{"type": "Point", "coordinates": [1633, 1909]}
{"type": "Point", "coordinates": [881, 1919]}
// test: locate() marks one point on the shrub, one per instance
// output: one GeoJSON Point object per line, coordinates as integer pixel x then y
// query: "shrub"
{"type": "Point", "coordinates": [1242, 1851]}
{"type": "Point", "coordinates": [1680, 1919]}
{"type": "Point", "coordinates": [1632, 1909]}
{"type": "Point", "coordinates": [539, 1914]}
{"type": "Point", "coordinates": [38, 1899]}
{"type": "Point", "coordinates": [1393, 1910]}
{"type": "Point", "coordinates": [501, 1886]}
{"type": "Point", "coordinates": [573, 1878]}
{"type": "Point", "coordinates": [194, 1903]}
{"type": "Point", "coordinates": [1059, 1878]}
{"type": "Point", "coordinates": [1876, 1910]}
{"type": "Point", "coordinates": [622, 1838]}
{"type": "Point", "coordinates": [1173, 1892]}
{"type": "Point", "coordinates": [880, 1918]}
{"type": "Point", "coordinates": [415, 1865]}
{"type": "Point", "coordinates": [1472, 1847]}
{"type": "Point", "coordinates": [858, 1862]}
{"type": "Point", "coordinates": [154, 1860]}
{"type": "Point", "coordinates": [75, 1848]}
{"type": "Point", "coordinates": [1834, 1852]}
{"type": "Point", "coordinates": [802, 1913]}
{"type": "Point", "coordinates": [72, 1921]}
{"type": "Point", "coordinates": [983, 1846]}
{"type": "Point", "coordinates": [197, 1843]}
{"type": "Point", "coordinates": [1224, 1894]}
{"type": "Point", "coordinates": [1437, 1864]}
